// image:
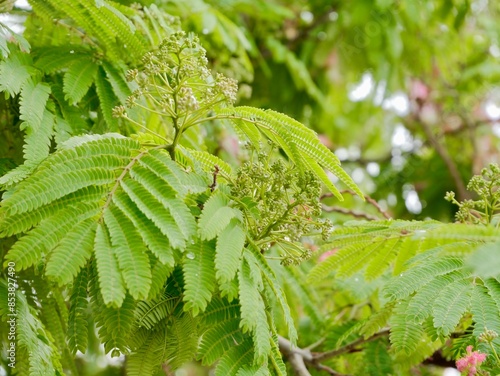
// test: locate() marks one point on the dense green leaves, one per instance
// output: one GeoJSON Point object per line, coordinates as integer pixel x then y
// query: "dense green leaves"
{"type": "Point", "coordinates": [299, 143]}
{"type": "Point", "coordinates": [182, 237]}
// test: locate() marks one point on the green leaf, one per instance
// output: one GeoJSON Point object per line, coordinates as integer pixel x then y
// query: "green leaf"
{"type": "Point", "coordinates": [421, 304]}
{"type": "Point", "coordinates": [253, 313]}
{"type": "Point", "coordinates": [207, 161]}
{"type": "Point", "coordinates": [115, 325]}
{"type": "Point", "coordinates": [33, 337]}
{"type": "Point", "coordinates": [199, 275]}
{"type": "Point", "coordinates": [295, 139]}
{"type": "Point", "coordinates": [107, 99]}
{"type": "Point", "coordinates": [219, 339]}
{"type": "Point", "coordinates": [30, 249]}
{"type": "Point", "coordinates": [177, 209]}
{"type": "Point", "coordinates": [151, 235]}
{"type": "Point", "coordinates": [493, 286]}
{"type": "Point", "coordinates": [485, 261]}
{"type": "Point", "coordinates": [411, 280]}
{"type": "Point", "coordinates": [147, 359]}
{"type": "Point", "coordinates": [155, 211]}
{"type": "Point", "coordinates": [377, 320]}
{"type": "Point", "coordinates": [130, 253]}
{"type": "Point", "coordinates": [377, 359]}
{"type": "Point", "coordinates": [230, 244]}
{"type": "Point", "coordinates": [234, 359]}
{"type": "Point", "coordinates": [451, 304]}
{"type": "Point", "coordinates": [181, 181]}
{"type": "Point", "coordinates": [485, 312]}
{"type": "Point", "coordinates": [54, 59]}
{"type": "Point", "coordinates": [78, 78]}
{"type": "Point", "coordinates": [274, 288]}
{"type": "Point", "coordinates": [78, 320]}
{"type": "Point", "coordinates": [72, 253]}
{"type": "Point", "coordinates": [110, 278]}
{"type": "Point", "coordinates": [15, 71]}
{"type": "Point", "coordinates": [38, 140]}
{"type": "Point", "coordinates": [216, 216]}
{"type": "Point", "coordinates": [34, 98]}
{"type": "Point", "coordinates": [405, 334]}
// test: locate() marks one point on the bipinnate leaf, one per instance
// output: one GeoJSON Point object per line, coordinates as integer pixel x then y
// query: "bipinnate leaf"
{"type": "Point", "coordinates": [199, 275]}
{"type": "Point", "coordinates": [228, 252]}
{"type": "Point", "coordinates": [253, 313]}
{"type": "Point", "coordinates": [216, 216]}
{"type": "Point", "coordinates": [130, 253]}
{"type": "Point", "coordinates": [110, 279]}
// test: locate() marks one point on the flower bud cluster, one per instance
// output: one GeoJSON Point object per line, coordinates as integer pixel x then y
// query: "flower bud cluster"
{"type": "Point", "coordinates": [488, 336]}
{"type": "Point", "coordinates": [486, 208]}
{"type": "Point", "coordinates": [175, 79]}
{"type": "Point", "coordinates": [286, 204]}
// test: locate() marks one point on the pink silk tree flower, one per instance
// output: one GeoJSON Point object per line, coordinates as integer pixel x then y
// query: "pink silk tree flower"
{"type": "Point", "coordinates": [470, 362]}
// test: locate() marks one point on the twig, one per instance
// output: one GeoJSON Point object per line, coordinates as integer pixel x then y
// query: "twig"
{"type": "Point", "coordinates": [349, 347]}
{"type": "Point", "coordinates": [368, 199]}
{"type": "Point", "coordinates": [296, 356]}
{"type": "Point", "coordinates": [304, 33]}
{"type": "Point", "coordinates": [216, 172]}
{"type": "Point", "coordinates": [450, 164]}
{"type": "Point", "coordinates": [300, 358]}
{"type": "Point", "coordinates": [327, 370]}
{"type": "Point", "coordinates": [352, 213]}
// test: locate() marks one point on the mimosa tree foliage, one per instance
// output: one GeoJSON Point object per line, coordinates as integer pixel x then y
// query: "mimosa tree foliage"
{"type": "Point", "coordinates": [123, 226]}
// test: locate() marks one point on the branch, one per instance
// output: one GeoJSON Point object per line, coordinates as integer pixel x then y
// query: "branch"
{"type": "Point", "coordinates": [300, 358]}
{"type": "Point", "coordinates": [305, 32]}
{"type": "Point", "coordinates": [352, 213]}
{"type": "Point", "coordinates": [349, 347]}
{"type": "Point", "coordinates": [450, 164]}
{"type": "Point", "coordinates": [296, 356]}
{"type": "Point", "coordinates": [215, 173]}
{"type": "Point", "coordinates": [368, 199]}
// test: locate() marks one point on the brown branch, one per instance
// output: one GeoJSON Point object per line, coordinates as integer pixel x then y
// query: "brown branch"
{"type": "Point", "coordinates": [352, 213]}
{"type": "Point", "coordinates": [450, 164]}
{"type": "Point", "coordinates": [296, 356]}
{"type": "Point", "coordinates": [306, 31]}
{"type": "Point", "coordinates": [301, 358]}
{"type": "Point", "coordinates": [350, 347]}
{"type": "Point", "coordinates": [368, 199]}
{"type": "Point", "coordinates": [215, 173]}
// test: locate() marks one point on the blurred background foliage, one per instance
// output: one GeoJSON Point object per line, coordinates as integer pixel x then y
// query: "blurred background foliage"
{"type": "Point", "coordinates": [405, 92]}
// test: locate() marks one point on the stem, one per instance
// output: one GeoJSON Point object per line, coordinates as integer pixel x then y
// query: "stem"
{"type": "Point", "coordinates": [270, 226]}
{"type": "Point", "coordinates": [144, 128]}
{"type": "Point", "coordinates": [368, 199]}
{"type": "Point", "coordinates": [448, 161]}
{"type": "Point", "coordinates": [172, 146]}
{"type": "Point", "coordinates": [494, 353]}
{"type": "Point", "coordinates": [352, 213]}
{"type": "Point", "coordinates": [122, 176]}
{"type": "Point", "coordinates": [349, 347]}
{"type": "Point", "coordinates": [300, 358]}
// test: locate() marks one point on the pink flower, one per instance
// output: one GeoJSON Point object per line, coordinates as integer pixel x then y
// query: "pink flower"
{"type": "Point", "coordinates": [470, 362]}
{"type": "Point", "coordinates": [327, 254]}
